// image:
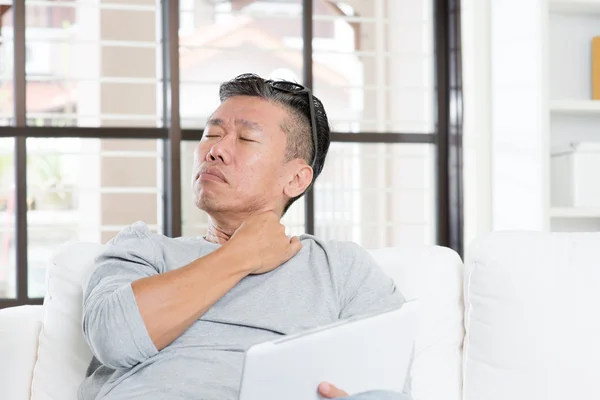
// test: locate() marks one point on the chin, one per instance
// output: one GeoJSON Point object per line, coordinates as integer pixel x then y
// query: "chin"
{"type": "Point", "coordinates": [205, 197]}
{"type": "Point", "coordinates": [208, 203]}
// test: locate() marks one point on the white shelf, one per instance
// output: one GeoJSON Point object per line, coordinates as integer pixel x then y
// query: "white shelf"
{"type": "Point", "coordinates": [575, 6]}
{"type": "Point", "coordinates": [575, 116]}
{"type": "Point", "coordinates": [576, 107]}
{"type": "Point", "coordinates": [572, 212]}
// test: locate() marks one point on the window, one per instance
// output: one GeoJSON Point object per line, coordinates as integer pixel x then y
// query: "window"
{"type": "Point", "coordinates": [373, 66]}
{"type": "Point", "coordinates": [7, 220]}
{"type": "Point", "coordinates": [87, 190]}
{"type": "Point", "coordinates": [95, 114]}
{"type": "Point", "coordinates": [87, 67]}
{"type": "Point", "coordinates": [355, 50]}
{"type": "Point", "coordinates": [377, 194]}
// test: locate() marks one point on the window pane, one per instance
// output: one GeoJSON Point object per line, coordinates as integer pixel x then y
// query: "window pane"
{"type": "Point", "coordinates": [7, 219]}
{"type": "Point", "coordinates": [6, 64]}
{"type": "Point", "coordinates": [373, 65]}
{"type": "Point", "coordinates": [88, 190]}
{"type": "Point", "coordinates": [195, 221]}
{"type": "Point", "coordinates": [86, 66]}
{"type": "Point", "coordinates": [220, 40]}
{"type": "Point", "coordinates": [377, 195]}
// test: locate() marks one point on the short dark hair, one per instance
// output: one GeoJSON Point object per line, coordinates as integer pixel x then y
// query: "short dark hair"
{"type": "Point", "coordinates": [298, 127]}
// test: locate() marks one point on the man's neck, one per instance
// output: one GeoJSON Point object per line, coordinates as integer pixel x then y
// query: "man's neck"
{"type": "Point", "coordinates": [222, 227]}
{"type": "Point", "coordinates": [220, 231]}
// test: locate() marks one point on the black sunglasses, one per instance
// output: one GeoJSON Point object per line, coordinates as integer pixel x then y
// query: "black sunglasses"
{"type": "Point", "coordinates": [295, 88]}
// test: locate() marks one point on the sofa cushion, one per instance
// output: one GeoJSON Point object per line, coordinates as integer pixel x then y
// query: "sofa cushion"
{"type": "Point", "coordinates": [19, 331]}
{"type": "Point", "coordinates": [434, 276]}
{"type": "Point", "coordinates": [63, 354]}
{"type": "Point", "coordinates": [533, 317]}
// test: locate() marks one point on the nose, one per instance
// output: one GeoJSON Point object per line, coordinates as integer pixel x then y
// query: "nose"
{"type": "Point", "coordinates": [220, 151]}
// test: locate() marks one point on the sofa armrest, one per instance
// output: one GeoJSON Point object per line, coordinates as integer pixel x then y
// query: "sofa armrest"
{"type": "Point", "coordinates": [19, 332]}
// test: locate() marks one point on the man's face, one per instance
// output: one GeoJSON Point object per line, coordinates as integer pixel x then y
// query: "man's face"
{"type": "Point", "coordinates": [239, 164]}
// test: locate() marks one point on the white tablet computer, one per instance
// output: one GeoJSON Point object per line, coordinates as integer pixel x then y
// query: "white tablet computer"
{"type": "Point", "coordinates": [371, 352]}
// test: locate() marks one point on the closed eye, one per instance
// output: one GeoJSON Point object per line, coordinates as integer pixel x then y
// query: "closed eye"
{"type": "Point", "coordinates": [247, 140]}
{"type": "Point", "coordinates": [210, 136]}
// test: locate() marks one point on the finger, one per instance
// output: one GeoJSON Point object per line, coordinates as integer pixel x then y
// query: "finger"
{"type": "Point", "coordinates": [295, 245]}
{"type": "Point", "coordinates": [329, 391]}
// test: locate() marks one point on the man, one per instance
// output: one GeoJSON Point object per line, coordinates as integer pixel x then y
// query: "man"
{"type": "Point", "coordinates": [171, 318]}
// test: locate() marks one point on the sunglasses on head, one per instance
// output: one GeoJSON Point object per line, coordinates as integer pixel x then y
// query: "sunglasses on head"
{"type": "Point", "coordinates": [295, 88]}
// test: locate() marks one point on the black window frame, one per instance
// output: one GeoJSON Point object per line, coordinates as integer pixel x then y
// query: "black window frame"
{"type": "Point", "coordinates": [447, 136]}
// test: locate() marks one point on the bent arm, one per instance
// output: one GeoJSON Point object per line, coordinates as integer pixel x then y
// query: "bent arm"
{"type": "Point", "coordinates": [131, 311]}
{"type": "Point", "coordinates": [169, 303]}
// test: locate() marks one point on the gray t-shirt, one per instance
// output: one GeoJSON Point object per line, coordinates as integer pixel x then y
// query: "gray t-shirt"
{"type": "Point", "coordinates": [325, 282]}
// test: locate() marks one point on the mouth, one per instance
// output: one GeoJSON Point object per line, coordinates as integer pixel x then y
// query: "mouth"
{"type": "Point", "coordinates": [211, 174]}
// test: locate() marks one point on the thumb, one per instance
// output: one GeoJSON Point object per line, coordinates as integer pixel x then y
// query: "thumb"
{"type": "Point", "coordinates": [329, 391]}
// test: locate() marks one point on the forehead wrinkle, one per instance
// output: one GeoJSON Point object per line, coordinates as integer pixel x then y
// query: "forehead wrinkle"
{"type": "Point", "coordinates": [247, 124]}
{"type": "Point", "coordinates": [215, 122]}
{"type": "Point", "coordinates": [238, 123]}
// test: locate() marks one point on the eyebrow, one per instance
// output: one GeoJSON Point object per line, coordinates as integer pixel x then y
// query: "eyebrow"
{"type": "Point", "coordinates": [255, 126]}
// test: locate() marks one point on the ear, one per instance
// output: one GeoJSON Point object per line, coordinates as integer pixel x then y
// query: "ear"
{"type": "Point", "coordinates": [299, 179]}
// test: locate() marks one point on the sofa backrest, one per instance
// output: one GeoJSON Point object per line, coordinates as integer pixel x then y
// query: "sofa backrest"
{"type": "Point", "coordinates": [434, 276]}
{"type": "Point", "coordinates": [532, 317]}
{"type": "Point", "coordinates": [63, 354]}
{"type": "Point", "coordinates": [19, 332]}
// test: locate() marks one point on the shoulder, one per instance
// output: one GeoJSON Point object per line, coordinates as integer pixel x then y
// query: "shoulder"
{"type": "Point", "coordinates": [135, 239]}
{"type": "Point", "coordinates": [137, 242]}
{"type": "Point", "coordinates": [129, 254]}
{"type": "Point", "coordinates": [164, 252]}
{"type": "Point", "coordinates": [344, 250]}
{"type": "Point", "coordinates": [343, 256]}
{"type": "Point", "coordinates": [138, 231]}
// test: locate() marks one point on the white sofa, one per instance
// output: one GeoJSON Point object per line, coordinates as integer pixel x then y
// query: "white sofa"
{"type": "Point", "coordinates": [520, 321]}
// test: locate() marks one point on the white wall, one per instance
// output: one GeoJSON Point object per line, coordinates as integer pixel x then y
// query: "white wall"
{"type": "Point", "coordinates": [519, 119]}
{"type": "Point", "coordinates": [477, 157]}
{"type": "Point", "coordinates": [505, 141]}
